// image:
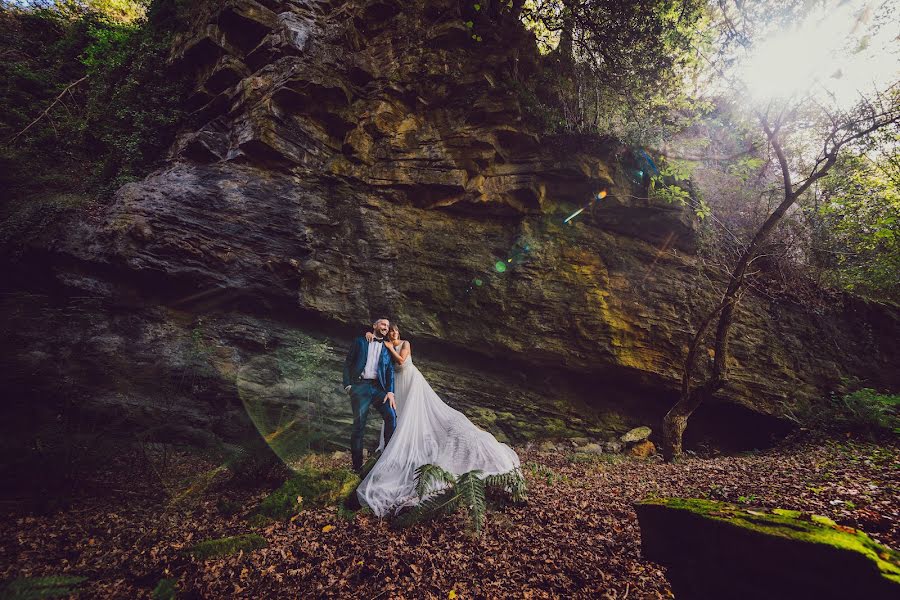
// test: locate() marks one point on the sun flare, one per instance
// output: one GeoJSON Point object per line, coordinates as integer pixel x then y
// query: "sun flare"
{"type": "Point", "coordinates": [837, 52]}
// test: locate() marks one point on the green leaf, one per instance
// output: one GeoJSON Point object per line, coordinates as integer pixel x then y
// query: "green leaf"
{"type": "Point", "coordinates": [468, 491]}
{"type": "Point", "coordinates": [512, 482]}
{"type": "Point", "coordinates": [471, 490]}
{"type": "Point", "coordinates": [431, 478]}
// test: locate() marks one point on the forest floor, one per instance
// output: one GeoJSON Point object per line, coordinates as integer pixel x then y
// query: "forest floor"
{"type": "Point", "coordinates": [577, 536]}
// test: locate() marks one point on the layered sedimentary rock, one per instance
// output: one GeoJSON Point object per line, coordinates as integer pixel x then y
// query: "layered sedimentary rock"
{"type": "Point", "coordinates": [349, 160]}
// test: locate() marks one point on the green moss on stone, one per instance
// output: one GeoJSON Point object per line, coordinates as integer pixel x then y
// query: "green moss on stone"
{"type": "Point", "coordinates": [53, 586]}
{"type": "Point", "coordinates": [227, 546]}
{"type": "Point", "coordinates": [794, 525]}
{"type": "Point", "coordinates": [612, 422]}
{"type": "Point", "coordinates": [557, 428]}
{"type": "Point", "coordinates": [483, 417]}
{"type": "Point", "coordinates": [311, 486]}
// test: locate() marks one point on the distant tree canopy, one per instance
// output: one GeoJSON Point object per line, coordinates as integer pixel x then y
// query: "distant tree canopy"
{"type": "Point", "coordinates": [88, 103]}
{"type": "Point", "coordinates": [855, 224]}
{"type": "Point", "coordinates": [118, 11]}
{"type": "Point", "coordinates": [621, 67]}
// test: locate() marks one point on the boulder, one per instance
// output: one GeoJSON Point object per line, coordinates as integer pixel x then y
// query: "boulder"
{"type": "Point", "coordinates": [547, 446]}
{"type": "Point", "coordinates": [643, 449]}
{"type": "Point", "coordinates": [613, 446]}
{"type": "Point", "coordinates": [590, 449]}
{"type": "Point", "coordinates": [714, 550]}
{"type": "Point", "coordinates": [638, 434]}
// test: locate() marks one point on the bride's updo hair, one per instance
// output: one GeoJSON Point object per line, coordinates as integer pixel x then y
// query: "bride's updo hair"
{"type": "Point", "coordinates": [392, 326]}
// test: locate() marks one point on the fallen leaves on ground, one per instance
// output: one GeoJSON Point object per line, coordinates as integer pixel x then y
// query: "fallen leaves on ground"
{"type": "Point", "coordinates": [577, 536]}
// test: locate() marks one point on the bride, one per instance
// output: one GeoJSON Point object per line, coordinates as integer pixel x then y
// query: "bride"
{"type": "Point", "coordinates": [428, 432]}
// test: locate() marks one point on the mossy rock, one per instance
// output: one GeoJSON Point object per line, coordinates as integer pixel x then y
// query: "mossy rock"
{"type": "Point", "coordinates": [310, 486]}
{"type": "Point", "coordinates": [638, 434]}
{"type": "Point", "coordinates": [720, 550]}
{"type": "Point", "coordinates": [227, 546]}
{"type": "Point", "coordinates": [31, 588]}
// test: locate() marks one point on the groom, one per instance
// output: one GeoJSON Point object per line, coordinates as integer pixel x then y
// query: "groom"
{"type": "Point", "coordinates": [369, 379]}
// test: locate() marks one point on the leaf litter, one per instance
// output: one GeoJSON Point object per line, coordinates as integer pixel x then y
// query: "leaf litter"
{"type": "Point", "coordinates": [576, 537]}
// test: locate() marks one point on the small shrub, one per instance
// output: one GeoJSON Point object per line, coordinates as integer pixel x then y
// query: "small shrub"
{"type": "Point", "coordinates": [543, 471]}
{"type": "Point", "coordinates": [166, 589]}
{"type": "Point", "coordinates": [865, 411]}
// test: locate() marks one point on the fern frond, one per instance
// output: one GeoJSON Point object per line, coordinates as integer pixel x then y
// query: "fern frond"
{"type": "Point", "coordinates": [442, 494]}
{"type": "Point", "coordinates": [432, 508]}
{"type": "Point", "coordinates": [511, 482]}
{"type": "Point", "coordinates": [430, 478]}
{"type": "Point", "coordinates": [471, 490]}
{"type": "Point", "coordinates": [501, 481]}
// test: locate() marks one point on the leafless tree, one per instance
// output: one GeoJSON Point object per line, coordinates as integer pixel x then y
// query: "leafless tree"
{"type": "Point", "coordinates": [843, 129]}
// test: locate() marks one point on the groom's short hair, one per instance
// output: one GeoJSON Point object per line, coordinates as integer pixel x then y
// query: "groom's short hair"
{"type": "Point", "coordinates": [375, 322]}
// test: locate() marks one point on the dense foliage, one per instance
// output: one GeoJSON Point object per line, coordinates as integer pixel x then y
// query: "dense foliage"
{"type": "Point", "coordinates": [88, 101]}
{"type": "Point", "coordinates": [855, 222]}
{"type": "Point", "coordinates": [619, 68]}
{"type": "Point", "coordinates": [864, 411]}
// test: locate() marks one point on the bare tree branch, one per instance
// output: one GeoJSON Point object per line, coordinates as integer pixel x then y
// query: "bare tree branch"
{"type": "Point", "coordinates": [47, 110]}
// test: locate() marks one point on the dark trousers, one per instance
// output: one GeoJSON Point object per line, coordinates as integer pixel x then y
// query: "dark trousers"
{"type": "Point", "coordinates": [362, 396]}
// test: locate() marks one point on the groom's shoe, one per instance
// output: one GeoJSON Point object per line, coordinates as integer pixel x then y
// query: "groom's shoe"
{"type": "Point", "coordinates": [351, 502]}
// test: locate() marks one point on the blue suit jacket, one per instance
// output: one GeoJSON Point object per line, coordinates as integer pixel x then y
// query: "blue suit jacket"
{"type": "Point", "coordinates": [356, 362]}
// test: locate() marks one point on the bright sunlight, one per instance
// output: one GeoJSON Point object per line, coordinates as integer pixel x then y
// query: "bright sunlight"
{"type": "Point", "coordinates": [839, 51]}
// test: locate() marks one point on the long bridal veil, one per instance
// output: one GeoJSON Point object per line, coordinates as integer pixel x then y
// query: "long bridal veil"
{"type": "Point", "coordinates": [428, 431]}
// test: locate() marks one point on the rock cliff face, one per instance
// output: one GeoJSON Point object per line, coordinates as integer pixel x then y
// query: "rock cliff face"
{"type": "Point", "coordinates": [357, 159]}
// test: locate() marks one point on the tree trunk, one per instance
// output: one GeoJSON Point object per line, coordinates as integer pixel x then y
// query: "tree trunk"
{"type": "Point", "coordinates": [675, 421]}
{"type": "Point", "coordinates": [673, 430]}
{"type": "Point", "coordinates": [565, 49]}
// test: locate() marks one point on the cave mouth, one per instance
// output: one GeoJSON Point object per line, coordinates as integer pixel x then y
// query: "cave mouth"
{"type": "Point", "coordinates": [732, 428]}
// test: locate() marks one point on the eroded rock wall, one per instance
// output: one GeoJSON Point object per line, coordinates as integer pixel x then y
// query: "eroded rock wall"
{"type": "Point", "coordinates": [356, 159]}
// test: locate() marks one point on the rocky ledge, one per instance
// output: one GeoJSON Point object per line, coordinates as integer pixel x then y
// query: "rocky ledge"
{"type": "Point", "coordinates": [349, 160]}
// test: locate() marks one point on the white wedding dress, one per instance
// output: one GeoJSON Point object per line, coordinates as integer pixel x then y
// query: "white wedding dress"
{"type": "Point", "coordinates": [428, 432]}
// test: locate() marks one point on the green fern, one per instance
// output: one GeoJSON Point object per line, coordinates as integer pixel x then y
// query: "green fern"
{"type": "Point", "coordinates": [511, 482]}
{"type": "Point", "coordinates": [442, 494]}
{"type": "Point", "coordinates": [431, 478]}
{"type": "Point", "coordinates": [471, 490]}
